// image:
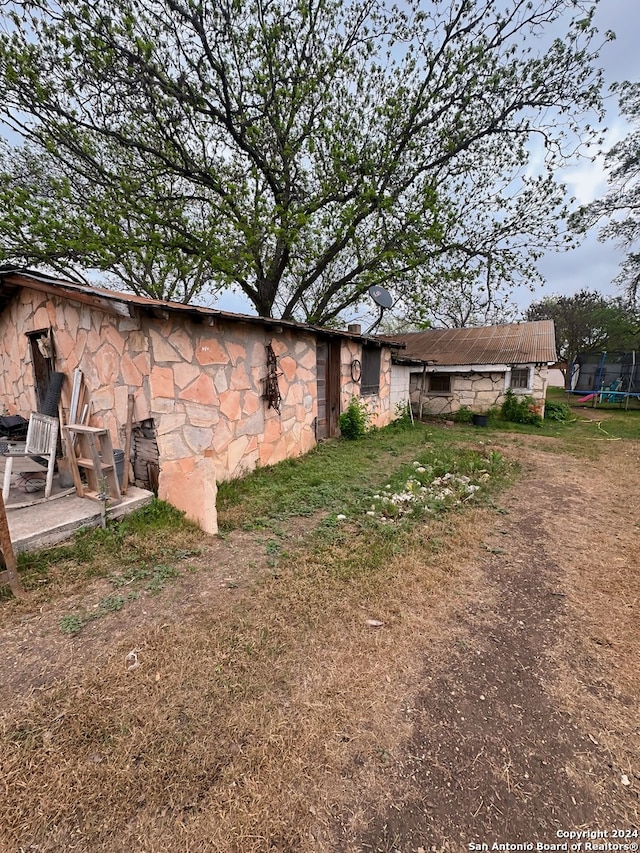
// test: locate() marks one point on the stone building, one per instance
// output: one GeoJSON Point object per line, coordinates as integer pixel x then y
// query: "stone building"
{"type": "Point", "coordinates": [475, 367]}
{"type": "Point", "coordinates": [215, 393]}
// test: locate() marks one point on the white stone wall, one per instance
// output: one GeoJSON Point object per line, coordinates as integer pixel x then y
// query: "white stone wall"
{"type": "Point", "coordinates": [477, 391]}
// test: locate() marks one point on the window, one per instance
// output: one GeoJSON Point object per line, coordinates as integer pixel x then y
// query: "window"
{"type": "Point", "coordinates": [440, 383]}
{"type": "Point", "coordinates": [370, 380]}
{"type": "Point", "coordinates": [520, 378]}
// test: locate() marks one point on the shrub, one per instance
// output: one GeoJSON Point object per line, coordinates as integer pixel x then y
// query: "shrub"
{"type": "Point", "coordinates": [520, 410]}
{"type": "Point", "coordinates": [354, 422]}
{"type": "Point", "coordinates": [403, 415]}
{"type": "Point", "coordinates": [557, 411]}
{"type": "Point", "coordinates": [464, 415]}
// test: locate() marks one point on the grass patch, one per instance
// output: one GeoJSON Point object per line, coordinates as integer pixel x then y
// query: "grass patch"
{"type": "Point", "coordinates": [224, 731]}
{"type": "Point", "coordinates": [584, 427]}
{"type": "Point", "coordinates": [588, 429]}
{"type": "Point", "coordinates": [228, 730]}
{"type": "Point", "coordinates": [130, 549]}
{"type": "Point", "coordinates": [334, 477]}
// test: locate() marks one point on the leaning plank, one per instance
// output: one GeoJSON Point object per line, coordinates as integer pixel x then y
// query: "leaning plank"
{"type": "Point", "coordinates": [127, 444]}
{"type": "Point", "coordinates": [75, 395]}
{"type": "Point", "coordinates": [10, 573]}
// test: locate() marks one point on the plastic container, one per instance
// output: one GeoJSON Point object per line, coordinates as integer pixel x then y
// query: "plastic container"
{"type": "Point", "coordinates": [480, 420]}
{"type": "Point", "coordinates": [118, 458]}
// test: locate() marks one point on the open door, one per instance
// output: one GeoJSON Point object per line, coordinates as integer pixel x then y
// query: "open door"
{"type": "Point", "coordinates": [41, 358]}
{"type": "Point", "coordinates": [328, 374]}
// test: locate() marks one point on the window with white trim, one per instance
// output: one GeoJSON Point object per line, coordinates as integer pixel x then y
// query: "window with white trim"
{"type": "Point", "coordinates": [520, 378]}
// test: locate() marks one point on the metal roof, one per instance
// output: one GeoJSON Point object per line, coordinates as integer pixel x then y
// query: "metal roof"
{"type": "Point", "coordinates": [512, 343]}
{"type": "Point", "coordinates": [11, 279]}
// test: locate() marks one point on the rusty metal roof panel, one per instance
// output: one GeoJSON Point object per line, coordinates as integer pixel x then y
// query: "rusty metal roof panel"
{"type": "Point", "coordinates": [512, 343]}
{"type": "Point", "coordinates": [11, 279]}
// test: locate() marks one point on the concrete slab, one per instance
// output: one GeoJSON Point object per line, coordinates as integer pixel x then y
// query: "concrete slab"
{"type": "Point", "coordinates": [44, 523]}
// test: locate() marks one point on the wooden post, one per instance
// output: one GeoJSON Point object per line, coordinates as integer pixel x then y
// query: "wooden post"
{"type": "Point", "coordinates": [127, 444]}
{"type": "Point", "coordinates": [10, 573]}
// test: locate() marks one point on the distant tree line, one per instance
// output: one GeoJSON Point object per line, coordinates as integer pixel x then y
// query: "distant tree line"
{"type": "Point", "coordinates": [589, 321]}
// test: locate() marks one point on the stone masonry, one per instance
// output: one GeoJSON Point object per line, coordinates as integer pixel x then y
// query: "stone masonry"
{"type": "Point", "coordinates": [477, 391]}
{"type": "Point", "coordinates": [202, 385]}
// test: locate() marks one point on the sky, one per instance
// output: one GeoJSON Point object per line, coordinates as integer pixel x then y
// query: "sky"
{"type": "Point", "coordinates": [594, 265]}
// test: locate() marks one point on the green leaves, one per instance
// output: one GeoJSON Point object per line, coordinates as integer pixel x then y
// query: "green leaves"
{"type": "Point", "coordinates": [299, 151]}
{"type": "Point", "coordinates": [620, 208]}
{"type": "Point", "coordinates": [588, 321]}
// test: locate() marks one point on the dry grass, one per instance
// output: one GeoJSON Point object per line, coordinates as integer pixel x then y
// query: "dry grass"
{"type": "Point", "coordinates": [597, 654]}
{"type": "Point", "coordinates": [258, 728]}
{"type": "Point", "coordinates": [228, 733]}
{"type": "Point", "coordinates": [154, 535]}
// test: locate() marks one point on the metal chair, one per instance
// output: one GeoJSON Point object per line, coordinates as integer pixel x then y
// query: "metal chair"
{"type": "Point", "coordinates": [42, 441]}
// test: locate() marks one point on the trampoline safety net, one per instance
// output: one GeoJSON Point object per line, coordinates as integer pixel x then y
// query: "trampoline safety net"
{"type": "Point", "coordinates": [606, 371]}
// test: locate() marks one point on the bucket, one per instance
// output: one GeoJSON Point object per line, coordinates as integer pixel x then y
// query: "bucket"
{"type": "Point", "coordinates": [118, 458]}
{"type": "Point", "coordinates": [480, 420]}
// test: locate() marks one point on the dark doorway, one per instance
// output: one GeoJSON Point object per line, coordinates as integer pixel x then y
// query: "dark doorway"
{"type": "Point", "coordinates": [41, 344]}
{"type": "Point", "coordinates": [328, 373]}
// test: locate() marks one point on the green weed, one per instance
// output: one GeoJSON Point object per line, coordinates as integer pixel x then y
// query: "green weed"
{"type": "Point", "coordinates": [334, 476]}
{"type": "Point", "coordinates": [159, 576]}
{"type": "Point", "coordinates": [155, 534]}
{"type": "Point", "coordinates": [72, 623]}
{"type": "Point", "coordinates": [354, 421]}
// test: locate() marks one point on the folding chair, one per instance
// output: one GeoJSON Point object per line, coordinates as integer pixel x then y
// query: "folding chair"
{"type": "Point", "coordinates": [42, 441]}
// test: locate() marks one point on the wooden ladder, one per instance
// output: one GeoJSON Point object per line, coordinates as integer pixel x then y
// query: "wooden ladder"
{"type": "Point", "coordinates": [96, 460]}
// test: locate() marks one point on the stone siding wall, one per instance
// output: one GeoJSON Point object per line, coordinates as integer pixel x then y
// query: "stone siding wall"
{"type": "Point", "coordinates": [379, 404]}
{"type": "Point", "coordinates": [111, 351]}
{"type": "Point", "coordinates": [540, 384]}
{"type": "Point", "coordinates": [17, 394]}
{"type": "Point", "coordinates": [207, 392]}
{"type": "Point", "coordinates": [477, 391]}
{"type": "Point", "coordinates": [203, 386]}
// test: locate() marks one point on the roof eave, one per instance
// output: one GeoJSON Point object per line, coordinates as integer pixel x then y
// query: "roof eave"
{"type": "Point", "coordinates": [123, 304]}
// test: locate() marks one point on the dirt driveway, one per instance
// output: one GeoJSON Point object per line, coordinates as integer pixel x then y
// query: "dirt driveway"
{"type": "Point", "coordinates": [528, 724]}
{"type": "Point", "coordinates": [510, 716]}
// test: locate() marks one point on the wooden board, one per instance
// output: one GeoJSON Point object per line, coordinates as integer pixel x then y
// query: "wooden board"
{"type": "Point", "coordinates": [9, 573]}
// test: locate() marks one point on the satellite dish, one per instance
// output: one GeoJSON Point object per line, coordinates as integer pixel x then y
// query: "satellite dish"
{"type": "Point", "coordinates": [383, 300]}
{"type": "Point", "coordinates": [381, 296]}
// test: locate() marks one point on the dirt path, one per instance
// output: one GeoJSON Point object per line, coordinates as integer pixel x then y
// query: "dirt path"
{"type": "Point", "coordinates": [528, 725]}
